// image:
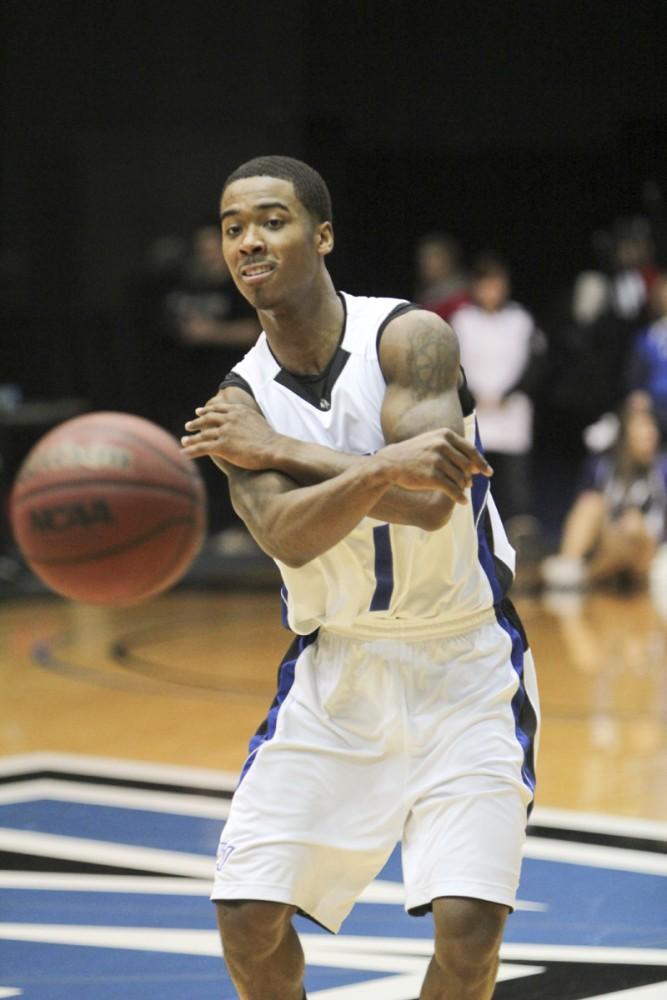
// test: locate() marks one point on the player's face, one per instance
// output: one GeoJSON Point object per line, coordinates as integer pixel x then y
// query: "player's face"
{"type": "Point", "coordinates": [270, 243]}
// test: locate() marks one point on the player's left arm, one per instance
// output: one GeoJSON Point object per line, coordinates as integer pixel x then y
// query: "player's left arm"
{"type": "Point", "coordinates": [419, 355]}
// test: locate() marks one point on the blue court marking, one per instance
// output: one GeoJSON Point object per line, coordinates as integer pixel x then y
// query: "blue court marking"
{"type": "Point", "coordinates": [384, 569]}
{"type": "Point", "coordinates": [584, 906]}
{"type": "Point", "coordinates": [106, 909]}
{"type": "Point", "coordinates": [139, 827]}
{"type": "Point", "coordinates": [590, 906]}
{"type": "Point", "coordinates": [69, 972]}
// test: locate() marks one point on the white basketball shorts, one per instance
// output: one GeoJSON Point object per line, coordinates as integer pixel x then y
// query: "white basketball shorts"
{"type": "Point", "coordinates": [371, 742]}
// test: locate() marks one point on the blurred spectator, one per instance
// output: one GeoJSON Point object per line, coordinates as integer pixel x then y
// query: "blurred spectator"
{"type": "Point", "coordinates": [196, 326]}
{"type": "Point", "coordinates": [618, 520]}
{"type": "Point", "coordinates": [442, 285]}
{"type": "Point", "coordinates": [502, 353]}
{"type": "Point", "coordinates": [212, 327]}
{"type": "Point", "coordinates": [595, 325]}
{"type": "Point", "coordinates": [621, 287]}
{"type": "Point", "coordinates": [647, 365]}
{"type": "Point", "coordinates": [205, 309]}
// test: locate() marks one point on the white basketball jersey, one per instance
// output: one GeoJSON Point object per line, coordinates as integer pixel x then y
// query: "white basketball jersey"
{"type": "Point", "coordinates": [381, 579]}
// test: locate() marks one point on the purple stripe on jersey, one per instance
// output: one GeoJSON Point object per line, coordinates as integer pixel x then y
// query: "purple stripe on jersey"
{"type": "Point", "coordinates": [525, 718]}
{"type": "Point", "coordinates": [384, 569]}
{"type": "Point", "coordinates": [480, 491]}
{"type": "Point", "coordinates": [286, 670]}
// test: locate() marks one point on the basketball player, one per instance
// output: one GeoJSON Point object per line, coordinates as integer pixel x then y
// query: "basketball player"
{"type": "Point", "coordinates": [406, 706]}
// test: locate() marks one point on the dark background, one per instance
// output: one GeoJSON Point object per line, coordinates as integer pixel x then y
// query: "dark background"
{"type": "Point", "coordinates": [518, 126]}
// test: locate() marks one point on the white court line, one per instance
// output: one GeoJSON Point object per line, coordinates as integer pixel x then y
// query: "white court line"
{"type": "Point", "coordinates": [180, 941]}
{"type": "Point", "coordinates": [123, 798]}
{"type": "Point", "coordinates": [595, 856]}
{"type": "Point", "coordinates": [106, 853]}
{"type": "Point", "coordinates": [72, 882]}
{"type": "Point", "coordinates": [129, 770]}
{"type": "Point", "coordinates": [584, 953]}
{"type": "Point", "coordinates": [113, 767]}
{"type": "Point", "coordinates": [624, 826]}
{"type": "Point", "coordinates": [320, 949]}
{"type": "Point", "coordinates": [379, 891]}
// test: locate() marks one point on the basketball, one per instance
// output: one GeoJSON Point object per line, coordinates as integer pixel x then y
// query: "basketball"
{"type": "Point", "coordinates": [106, 509]}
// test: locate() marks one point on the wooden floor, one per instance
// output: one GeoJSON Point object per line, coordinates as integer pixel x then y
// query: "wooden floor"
{"type": "Point", "coordinates": [186, 678]}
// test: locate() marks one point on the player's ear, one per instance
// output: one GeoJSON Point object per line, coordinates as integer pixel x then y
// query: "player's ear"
{"type": "Point", "coordinates": [324, 238]}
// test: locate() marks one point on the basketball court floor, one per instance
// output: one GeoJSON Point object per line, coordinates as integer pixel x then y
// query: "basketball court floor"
{"type": "Point", "coordinates": [121, 735]}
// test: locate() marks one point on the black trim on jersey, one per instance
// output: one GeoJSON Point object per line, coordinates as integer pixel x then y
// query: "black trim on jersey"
{"type": "Point", "coordinates": [466, 398]}
{"type": "Point", "coordinates": [316, 389]}
{"type": "Point", "coordinates": [510, 612]}
{"type": "Point", "coordinates": [404, 307]}
{"type": "Point", "coordinates": [503, 572]}
{"type": "Point", "coordinates": [234, 379]}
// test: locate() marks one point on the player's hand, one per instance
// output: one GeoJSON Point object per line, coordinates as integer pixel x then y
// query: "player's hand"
{"type": "Point", "coordinates": [233, 432]}
{"type": "Point", "coordinates": [437, 460]}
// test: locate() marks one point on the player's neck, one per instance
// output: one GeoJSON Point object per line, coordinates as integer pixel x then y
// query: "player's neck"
{"type": "Point", "coordinates": [304, 334]}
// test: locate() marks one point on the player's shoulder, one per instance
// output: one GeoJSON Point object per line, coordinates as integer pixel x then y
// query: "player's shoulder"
{"type": "Point", "coordinates": [416, 324]}
{"type": "Point", "coordinates": [371, 310]}
{"type": "Point", "coordinates": [418, 337]}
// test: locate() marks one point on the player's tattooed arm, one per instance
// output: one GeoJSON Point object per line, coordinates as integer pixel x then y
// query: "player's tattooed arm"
{"type": "Point", "coordinates": [419, 355]}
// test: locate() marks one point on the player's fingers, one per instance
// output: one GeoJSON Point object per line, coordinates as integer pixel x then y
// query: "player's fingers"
{"type": "Point", "coordinates": [466, 454]}
{"type": "Point", "coordinates": [215, 408]}
{"type": "Point", "coordinates": [212, 420]}
{"type": "Point", "coordinates": [458, 476]}
{"type": "Point", "coordinates": [197, 447]}
{"type": "Point", "coordinates": [457, 495]}
{"type": "Point", "coordinates": [193, 451]}
{"type": "Point", "coordinates": [451, 487]}
{"type": "Point", "coordinates": [470, 461]}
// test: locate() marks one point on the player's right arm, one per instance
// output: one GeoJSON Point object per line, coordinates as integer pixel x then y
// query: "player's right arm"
{"type": "Point", "coordinates": [232, 431]}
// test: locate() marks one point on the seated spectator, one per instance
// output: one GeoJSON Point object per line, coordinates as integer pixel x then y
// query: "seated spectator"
{"type": "Point", "coordinates": [442, 285]}
{"type": "Point", "coordinates": [593, 324]}
{"type": "Point", "coordinates": [647, 366]}
{"type": "Point", "coordinates": [502, 354]}
{"type": "Point", "coordinates": [618, 520]}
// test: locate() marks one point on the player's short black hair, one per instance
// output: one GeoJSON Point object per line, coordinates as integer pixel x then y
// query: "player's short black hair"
{"type": "Point", "coordinates": [309, 186]}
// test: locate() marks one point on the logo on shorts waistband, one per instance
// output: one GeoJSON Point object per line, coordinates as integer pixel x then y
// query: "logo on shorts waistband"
{"type": "Point", "coordinates": [224, 851]}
